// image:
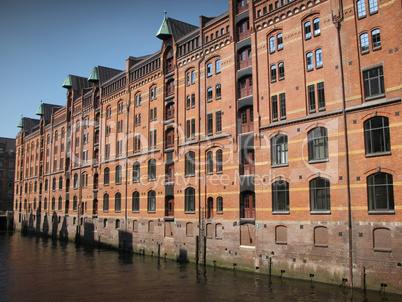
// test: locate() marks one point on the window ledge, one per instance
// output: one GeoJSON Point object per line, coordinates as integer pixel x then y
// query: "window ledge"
{"type": "Point", "coordinates": [273, 81]}
{"type": "Point", "coordinates": [382, 250]}
{"type": "Point", "coordinates": [281, 242]}
{"type": "Point", "coordinates": [118, 211]}
{"type": "Point", "coordinates": [218, 98]}
{"type": "Point", "coordinates": [374, 12]}
{"type": "Point", "coordinates": [190, 175]}
{"type": "Point", "coordinates": [279, 165]}
{"type": "Point", "coordinates": [361, 17]}
{"type": "Point", "coordinates": [377, 96]}
{"type": "Point", "coordinates": [135, 211]}
{"type": "Point", "coordinates": [281, 78]}
{"type": "Point", "coordinates": [378, 154]}
{"type": "Point", "coordinates": [381, 212]}
{"type": "Point", "coordinates": [310, 69]}
{"type": "Point", "coordinates": [319, 67]}
{"type": "Point", "coordinates": [308, 38]}
{"type": "Point", "coordinates": [189, 212]}
{"type": "Point", "coordinates": [365, 52]}
{"type": "Point", "coordinates": [320, 212]}
{"type": "Point", "coordinates": [321, 245]}
{"type": "Point", "coordinates": [321, 109]}
{"type": "Point", "coordinates": [376, 48]}
{"type": "Point", "coordinates": [151, 212]}
{"type": "Point", "coordinates": [317, 34]}
{"type": "Point", "coordinates": [209, 100]}
{"type": "Point", "coordinates": [317, 161]}
{"type": "Point", "coordinates": [280, 212]}
{"type": "Point", "coordinates": [105, 211]}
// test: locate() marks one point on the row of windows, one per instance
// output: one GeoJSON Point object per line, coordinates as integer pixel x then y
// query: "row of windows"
{"type": "Point", "coordinates": [361, 7]}
{"type": "Point", "coordinates": [379, 191]}
{"type": "Point", "coordinates": [218, 92]}
{"type": "Point", "coordinates": [217, 68]}
{"type": "Point", "coordinates": [281, 72]}
{"type": "Point", "coordinates": [212, 36]}
{"type": "Point", "coordinates": [375, 40]}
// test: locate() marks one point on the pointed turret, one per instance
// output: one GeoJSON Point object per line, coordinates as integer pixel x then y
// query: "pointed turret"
{"type": "Point", "coordinates": [164, 31]}
{"type": "Point", "coordinates": [40, 109]}
{"type": "Point", "coordinates": [68, 83]}
{"type": "Point", "coordinates": [94, 75]}
{"type": "Point", "coordinates": [21, 122]}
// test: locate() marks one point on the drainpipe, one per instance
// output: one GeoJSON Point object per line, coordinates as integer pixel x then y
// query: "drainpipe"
{"type": "Point", "coordinates": [337, 22]}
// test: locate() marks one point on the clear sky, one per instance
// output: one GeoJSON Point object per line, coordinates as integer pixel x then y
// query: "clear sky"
{"type": "Point", "coordinates": [42, 41]}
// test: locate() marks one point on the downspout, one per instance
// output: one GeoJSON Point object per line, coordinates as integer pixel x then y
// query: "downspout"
{"type": "Point", "coordinates": [199, 149]}
{"type": "Point", "coordinates": [337, 22]}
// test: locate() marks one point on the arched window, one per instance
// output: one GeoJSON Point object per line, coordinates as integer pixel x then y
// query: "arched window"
{"type": "Point", "coordinates": [136, 201]}
{"type": "Point", "coordinates": [190, 163]}
{"type": "Point", "coordinates": [54, 184]}
{"type": "Point", "coordinates": [281, 234]}
{"type": "Point", "coordinates": [376, 38]}
{"type": "Point", "coordinates": [46, 185]}
{"type": "Point", "coordinates": [60, 183]}
{"type": "Point", "coordinates": [280, 196]}
{"type": "Point", "coordinates": [189, 200]}
{"type": "Point", "coordinates": [307, 30]}
{"type": "Point", "coordinates": [117, 202]}
{"type": "Point", "coordinates": [279, 150]}
{"type": "Point", "coordinates": [170, 88]}
{"type": "Point", "coordinates": [364, 42]}
{"type": "Point", "coordinates": [45, 204]}
{"type": "Point", "coordinates": [273, 73]}
{"type": "Point", "coordinates": [380, 192]}
{"type": "Point", "coordinates": [218, 92]}
{"type": "Point", "coordinates": [318, 144]}
{"type": "Point", "coordinates": [281, 71]}
{"type": "Point", "coordinates": [151, 201]}
{"type": "Point", "coordinates": [321, 236]}
{"type": "Point", "coordinates": [210, 162]}
{"type": "Point", "coordinates": [60, 204]}
{"type": "Point", "coordinates": [152, 169]}
{"type": "Point", "coordinates": [219, 161]}
{"type": "Point", "coordinates": [53, 204]}
{"type": "Point", "coordinates": [169, 67]}
{"type": "Point", "coordinates": [136, 172]}
{"type": "Point", "coordinates": [219, 204]}
{"type": "Point", "coordinates": [75, 203]}
{"type": "Point", "coordinates": [75, 181]}
{"type": "Point", "coordinates": [106, 202]}
{"type": "Point", "coordinates": [318, 58]}
{"type": "Point", "coordinates": [209, 94]}
{"type": "Point", "coordinates": [106, 176]}
{"type": "Point", "coordinates": [118, 175]}
{"type": "Point", "coordinates": [376, 135]}
{"type": "Point", "coordinates": [217, 66]}
{"type": "Point", "coordinates": [316, 26]}
{"type": "Point", "coordinates": [320, 199]}
{"type": "Point", "coordinates": [272, 44]}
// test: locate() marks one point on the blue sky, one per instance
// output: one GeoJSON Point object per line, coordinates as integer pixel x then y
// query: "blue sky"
{"type": "Point", "coordinates": [43, 41]}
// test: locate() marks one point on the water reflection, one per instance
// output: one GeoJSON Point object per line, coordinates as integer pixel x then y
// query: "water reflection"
{"type": "Point", "coordinates": [36, 268]}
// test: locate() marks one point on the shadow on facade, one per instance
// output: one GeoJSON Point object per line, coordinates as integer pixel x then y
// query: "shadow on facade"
{"type": "Point", "coordinates": [55, 224]}
{"type": "Point", "coordinates": [125, 241]}
{"type": "Point", "coordinates": [45, 226]}
{"type": "Point", "coordinates": [38, 220]}
{"type": "Point", "coordinates": [182, 256]}
{"type": "Point", "coordinates": [63, 231]}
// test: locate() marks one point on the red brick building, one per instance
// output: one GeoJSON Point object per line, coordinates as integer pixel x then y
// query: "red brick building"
{"type": "Point", "coordinates": [264, 139]}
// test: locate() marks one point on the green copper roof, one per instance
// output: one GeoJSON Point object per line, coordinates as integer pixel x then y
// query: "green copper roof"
{"type": "Point", "coordinates": [40, 109]}
{"type": "Point", "coordinates": [68, 83]}
{"type": "Point", "coordinates": [21, 122]}
{"type": "Point", "coordinates": [164, 31]}
{"type": "Point", "coordinates": [94, 75]}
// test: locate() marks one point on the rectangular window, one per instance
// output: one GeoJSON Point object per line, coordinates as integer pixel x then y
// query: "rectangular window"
{"type": "Point", "coordinates": [274, 104]}
{"type": "Point", "coordinates": [119, 147]}
{"type": "Point", "coordinates": [218, 116]}
{"type": "Point", "coordinates": [373, 82]}
{"type": "Point", "coordinates": [193, 128]}
{"type": "Point", "coordinates": [321, 96]}
{"type": "Point", "coordinates": [209, 70]}
{"type": "Point", "coordinates": [307, 30]}
{"type": "Point", "coordinates": [210, 123]}
{"type": "Point", "coordinates": [188, 102]}
{"type": "Point", "coordinates": [193, 101]}
{"type": "Point", "coordinates": [152, 139]}
{"type": "Point", "coordinates": [311, 98]}
{"type": "Point", "coordinates": [282, 103]}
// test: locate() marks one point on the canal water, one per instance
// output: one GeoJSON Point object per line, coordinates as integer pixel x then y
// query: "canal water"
{"type": "Point", "coordinates": [40, 269]}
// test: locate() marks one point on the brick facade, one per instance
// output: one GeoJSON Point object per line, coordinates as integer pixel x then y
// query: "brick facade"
{"type": "Point", "coordinates": [264, 139]}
